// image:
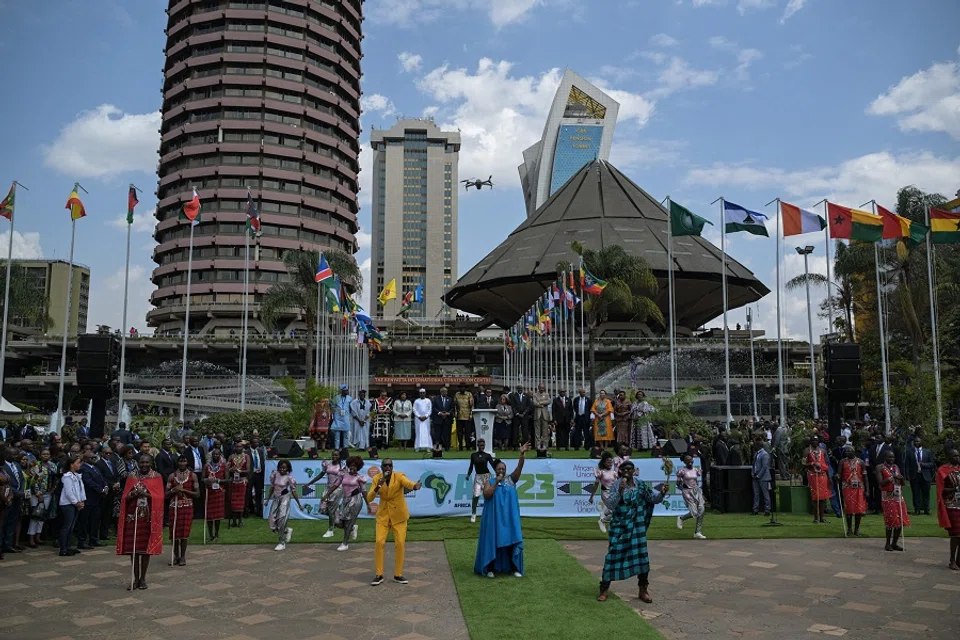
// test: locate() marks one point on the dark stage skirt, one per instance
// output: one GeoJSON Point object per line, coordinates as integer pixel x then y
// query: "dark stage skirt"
{"type": "Point", "coordinates": [184, 521]}
{"type": "Point", "coordinates": [238, 496]}
{"type": "Point", "coordinates": [142, 535]}
{"type": "Point", "coordinates": [215, 503]}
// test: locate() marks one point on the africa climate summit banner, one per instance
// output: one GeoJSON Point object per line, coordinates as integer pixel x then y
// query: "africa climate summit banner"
{"type": "Point", "coordinates": [547, 488]}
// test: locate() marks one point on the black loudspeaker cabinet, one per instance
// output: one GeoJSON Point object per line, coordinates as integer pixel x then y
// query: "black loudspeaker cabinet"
{"type": "Point", "coordinates": [287, 448]}
{"type": "Point", "coordinates": [675, 447]}
{"type": "Point", "coordinates": [843, 351]}
{"type": "Point", "coordinates": [844, 367]}
{"type": "Point", "coordinates": [98, 364]}
{"type": "Point", "coordinates": [731, 489]}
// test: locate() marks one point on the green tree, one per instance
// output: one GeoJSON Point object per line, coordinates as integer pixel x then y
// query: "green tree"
{"type": "Point", "coordinates": [299, 295]}
{"type": "Point", "coordinates": [28, 307]}
{"type": "Point", "coordinates": [629, 295]}
{"type": "Point", "coordinates": [302, 403]}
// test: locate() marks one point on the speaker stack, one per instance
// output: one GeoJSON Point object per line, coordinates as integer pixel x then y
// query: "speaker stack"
{"type": "Point", "coordinates": [98, 364]}
{"type": "Point", "coordinates": [844, 382]}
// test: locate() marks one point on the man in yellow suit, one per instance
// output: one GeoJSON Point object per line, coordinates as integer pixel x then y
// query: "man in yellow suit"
{"type": "Point", "coordinates": [392, 515]}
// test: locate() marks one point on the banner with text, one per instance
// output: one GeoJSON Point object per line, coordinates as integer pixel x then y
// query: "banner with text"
{"type": "Point", "coordinates": [548, 487]}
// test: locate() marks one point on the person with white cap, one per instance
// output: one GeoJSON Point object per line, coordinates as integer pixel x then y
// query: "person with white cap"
{"type": "Point", "coordinates": [422, 410]}
{"type": "Point", "coordinates": [341, 418]}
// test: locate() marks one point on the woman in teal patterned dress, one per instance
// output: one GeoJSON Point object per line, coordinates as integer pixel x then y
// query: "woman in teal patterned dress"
{"type": "Point", "coordinates": [631, 502]}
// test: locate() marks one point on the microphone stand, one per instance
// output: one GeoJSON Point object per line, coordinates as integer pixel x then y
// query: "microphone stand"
{"type": "Point", "coordinates": [773, 495]}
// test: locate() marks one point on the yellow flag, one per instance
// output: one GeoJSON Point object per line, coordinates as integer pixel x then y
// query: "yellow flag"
{"type": "Point", "coordinates": [75, 206]}
{"type": "Point", "coordinates": [389, 293]}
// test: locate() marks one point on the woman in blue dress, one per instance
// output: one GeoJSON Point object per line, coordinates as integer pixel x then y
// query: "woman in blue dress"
{"type": "Point", "coordinates": [500, 546]}
{"type": "Point", "coordinates": [631, 502]}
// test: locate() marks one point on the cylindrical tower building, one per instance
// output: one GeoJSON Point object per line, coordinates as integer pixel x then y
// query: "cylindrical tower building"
{"type": "Point", "coordinates": [261, 95]}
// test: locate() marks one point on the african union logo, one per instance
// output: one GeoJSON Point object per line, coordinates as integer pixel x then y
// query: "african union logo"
{"type": "Point", "coordinates": [438, 484]}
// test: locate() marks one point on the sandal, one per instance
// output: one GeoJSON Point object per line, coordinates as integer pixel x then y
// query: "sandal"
{"type": "Point", "coordinates": [602, 597]}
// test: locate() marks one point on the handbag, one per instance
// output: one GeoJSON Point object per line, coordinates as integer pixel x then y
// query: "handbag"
{"type": "Point", "coordinates": [38, 511]}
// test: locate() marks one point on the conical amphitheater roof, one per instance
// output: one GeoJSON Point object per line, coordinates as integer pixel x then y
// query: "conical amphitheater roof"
{"type": "Point", "coordinates": [600, 206]}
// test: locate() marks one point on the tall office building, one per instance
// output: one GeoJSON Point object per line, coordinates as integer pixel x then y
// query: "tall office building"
{"type": "Point", "coordinates": [579, 130]}
{"type": "Point", "coordinates": [261, 95]}
{"type": "Point", "coordinates": [415, 181]}
{"type": "Point", "coordinates": [50, 279]}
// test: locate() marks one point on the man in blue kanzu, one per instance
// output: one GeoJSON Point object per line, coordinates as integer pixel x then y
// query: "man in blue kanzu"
{"type": "Point", "coordinates": [631, 502]}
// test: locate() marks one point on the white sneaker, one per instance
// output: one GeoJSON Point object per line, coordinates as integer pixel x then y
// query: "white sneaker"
{"type": "Point", "coordinates": [473, 518]}
{"type": "Point", "coordinates": [603, 525]}
{"type": "Point", "coordinates": [490, 574]}
{"type": "Point", "coordinates": [287, 534]}
{"type": "Point", "coordinates": [679, 522]}
{"type": "Point", "coordinates": [328, 534]}
{"type": "Point", "coordinates": [280, 547]}
{"type": "Point", "coordinates": [353, 532]}
{"type": "Point", "coordinates": [343, 546]}
{"type": "Point", "coordinates": [699, 536]}
{"type": "Point", "coordinates": [517, 574]}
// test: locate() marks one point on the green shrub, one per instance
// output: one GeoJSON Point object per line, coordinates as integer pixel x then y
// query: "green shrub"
{"type": "Point", "coordinates": [241, 422]}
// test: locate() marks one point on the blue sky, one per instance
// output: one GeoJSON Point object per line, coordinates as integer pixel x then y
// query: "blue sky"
{"type": "Point", "coordinates": [748, 99]}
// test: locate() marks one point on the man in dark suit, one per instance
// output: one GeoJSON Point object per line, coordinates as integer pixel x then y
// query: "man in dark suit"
{"type": "Point", "coordinates": [28, 432]}
{"type": "Point", "coordinates": [522, 405]}
{"type": "Point", "coordinates": [721, 452]}
{"type": "Point", "coordinates": [83, 430]}
{"type": "Point", "coordinates": [257, 454]}
{"type": "Point", "coordinates": [485, 400]}
{"type": "Point", "coordinates": [761, 478]}
{"type": "Point", "coordinates": [582, 432]}
{"type": "Point", "coordinates": [919, 469]}
{"type": "Point", "coordinates": [876, 451]}
{"type": "Point", "coordinates": [11, 518]}
{"type": "Point", "coordinates": [96, 488]}
{"type": "Point", "coordinates": [441, 420]}
{"type": "Point", "coordinates": [124, 434]}
{"type": "Point", "coordinates": [197, 459]}
{"type": "Point", "coordinates": [562, 412]}
{"type": "Point", "coordinates": [166, 462]}
{"type": "Point", "coordinates": [105, 466]}
{"type": "Point", "coordinates": [207, 442]}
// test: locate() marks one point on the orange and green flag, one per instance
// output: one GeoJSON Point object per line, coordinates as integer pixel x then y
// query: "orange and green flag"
{"type": "Point", "coordinates": [6, 207]}
{"type": "Point", "coordinates": [945, 226]}
{"type": "Point", "coordinates": [853, 224]}
{"type": "Point", "coordinates": [75, 205]}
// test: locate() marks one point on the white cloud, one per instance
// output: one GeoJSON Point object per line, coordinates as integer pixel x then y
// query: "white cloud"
{"type": "Point", "coordinates": [501, 13]}
{"type": "Point", "coordinates": [365, 275]}
{"type": "Point", "coordinates": [663, 40]}
{"type": "Point", "coordinates": [142, 222]}
{"type": "Point", "coordinates": [719, 42]}
{"type": "Point", "coordinates": [871, 176]}
{"type": "Point", "coordinates": [706, 3]}
{"type": "Point", "coordinates": [26, 246]}
{"type": "Point", "coordinates": [628, 154]}
{"type": "Point", "coordinates": [410, 62]}
{"type": "Point", "coordinates": [363, 240]}
{"type": "Point", "coordinates": [929, 100]}
{"type": "Point", "coordinates": [106, 299]}
{"type": "Point", "coordinates": [365, 196]}
{"type": "Point", "coordinates": [500, 114]}
{"type": "Point", "coordinates": [745, 5]}
{"type": "Point", "coordinates": [792, 7]}
{"type": "Point", "coordinates": [678, 75]}
{"type": "Point", "coordinates": [104, 142]}
{"type": "Point", "coordinates": [745, 59]}
{"type": "Point", "coordinates": [377, 103]}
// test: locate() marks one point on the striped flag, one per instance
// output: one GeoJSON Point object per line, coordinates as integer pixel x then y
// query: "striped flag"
{"type": "Point", "coordinates": [797, 221]}
{"type": "Point", "coordinates": [132, 202]}
{"type": "Point", "coordinates": [324, 272]}
{"type": "Point", "coordinates": [945, 226]}
{"type": "Point", "coordinates": [75, 206]}
{"type": "Point", "coordinates": [253, 214]}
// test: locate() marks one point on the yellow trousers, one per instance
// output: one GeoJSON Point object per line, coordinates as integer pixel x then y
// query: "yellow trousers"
{"type": "Point", "coordinates": [399, 545]}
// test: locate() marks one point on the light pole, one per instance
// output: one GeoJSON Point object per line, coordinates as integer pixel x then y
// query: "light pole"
{"type": "Point", "coordinates": [805, 252]}
{"type": "Point", "coordinates": [753, 364]}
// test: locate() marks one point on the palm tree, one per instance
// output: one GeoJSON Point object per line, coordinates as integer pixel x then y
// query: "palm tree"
{"type": "Point", "coordinates": [629, 294]}
{"type": "Point", "coordinates": [299, 294]}
{"type": "Point", "coordinates": [28, 307]}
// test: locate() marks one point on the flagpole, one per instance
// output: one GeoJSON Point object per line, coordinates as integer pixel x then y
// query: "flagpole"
{"type": "Point", "coordinates": [931, 272]}
{"type": "Point", "coordinates": [783, 403]}
{"type": "Point", "coordinates": [726, 328]}
{"type": "Point", "coordinates": [316, 356]}
{"type": "Point", "coordinates": [123, 323]}
{"type": "Point", "coordinates": [826, 235]}
{"type": "Point", "coordinates": [673, 324]}
{"type": "Point", "coordinates": [6, 290]}
{"type": "Point", "coordinates": [186, 326]}
{"type": "Point", "coordinates": [753, 364]}
{"type": "Point", "coordinates": [246, 313]}
{"type": "Point", "coordinates": [883, 334]}
{"type": "Point", "coordinates": [66, 317]}
{"type": "Point", "coordinates": [583, 331]}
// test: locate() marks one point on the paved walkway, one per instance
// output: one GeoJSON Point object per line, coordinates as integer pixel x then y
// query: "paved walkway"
{"type": "Point", "coordinates": [236, 592]}
{"type": "Point", "coordinates": [794, 588]}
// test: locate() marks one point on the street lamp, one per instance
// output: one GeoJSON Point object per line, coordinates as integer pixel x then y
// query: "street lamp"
{"type": "Point", "coordinates": [805, 252]}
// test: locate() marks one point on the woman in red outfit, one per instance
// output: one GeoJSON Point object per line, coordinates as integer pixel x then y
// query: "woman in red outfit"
{"type": "Point", "coordinates": [215, 476]}
{"type": "Point", "coordinates": [182, 488]}
{"type": "Point", "coordinates": [238, 471]}
{"type": "Point", "coordinates": [140, 525]}
{"type": "Point", "coordinates": [895, 516]}
{"type": "Point", "coordinates": [852, 482]}
{"type": "Point", "coordinates": [948, 504]}
{"type": "Point", "coordinates": [817, 465]}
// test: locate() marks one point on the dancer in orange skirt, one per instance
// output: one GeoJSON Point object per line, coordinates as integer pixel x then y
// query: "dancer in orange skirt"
{"type": "Point", "coordinates": [140, 525]}
{"type": "Point", "coordinates": [817, 465]}
{"type": "Point", "coordinates": [182, 489]}
{"type": "Point", "coordinates": [895, 516]}
{"type": "Point", "coordinates": [215, 477]}
{"type": "Point", "coordinates": [948, 504]}
{"type": "Point", "coordinates": [853, 476]}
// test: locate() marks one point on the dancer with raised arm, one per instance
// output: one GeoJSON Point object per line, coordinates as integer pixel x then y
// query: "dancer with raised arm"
{"type": "Point", "coordinates": [392, 516]}
{"type": "Point", "coordinates": [500, 545]}
{"type": "Point", "coordinates": [333, 469]}
{"type": "Point", "coordinates": [480, 461]}
{"type": "Point", "coordinates": [352, 485]}
{"type": "Point", "coordinates": [688, 483]}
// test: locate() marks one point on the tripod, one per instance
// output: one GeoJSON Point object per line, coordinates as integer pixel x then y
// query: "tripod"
{"type": "Point", "coordinates": [773, 496]}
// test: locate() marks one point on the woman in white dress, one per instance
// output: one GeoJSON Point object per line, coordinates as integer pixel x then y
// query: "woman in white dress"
{"type": "Point", "coordinates": [422, 409]}
{"type": "Point", "coordinates": [402, 421]}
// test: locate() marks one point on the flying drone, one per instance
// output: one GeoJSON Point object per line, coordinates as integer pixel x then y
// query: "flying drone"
{"type": "Point", "coordinates": [479, 184]}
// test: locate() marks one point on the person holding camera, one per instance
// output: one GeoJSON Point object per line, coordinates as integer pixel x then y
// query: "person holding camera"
{"type": "Point", "coordinates": [392, 515]}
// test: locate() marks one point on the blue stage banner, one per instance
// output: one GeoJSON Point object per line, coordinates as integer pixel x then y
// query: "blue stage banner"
{"type": "Point", "coordinates": [548, 487]}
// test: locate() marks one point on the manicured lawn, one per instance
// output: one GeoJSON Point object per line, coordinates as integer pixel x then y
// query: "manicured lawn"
{"type": "Point", "coordinates": [716, 527]}
{"type": "Point", "coordinates": [557, 598]}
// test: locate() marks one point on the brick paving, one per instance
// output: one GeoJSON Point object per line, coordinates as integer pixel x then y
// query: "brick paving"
{"type": "Point", "coordinates": [793, 588]}
{"type": "Point", "coordinates": [235, 592]}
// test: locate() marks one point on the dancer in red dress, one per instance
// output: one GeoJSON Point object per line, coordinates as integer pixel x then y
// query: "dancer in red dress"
{"type": "Point", "coordinates": [238, 472]}
{"type": "Point", "coordinates": [140, 525]}
{"type": "Point", "coordinates": [853, 476]}
{"type": "Point", "coordinates": [816, 463]}
{"type": "Point", "coordinates": [182, 488]}
{"type": "Point", "coordinates": [948, 504]}
{"type": "Point", "coordinates": [215, 477]}
{"type": "Point", "coordinates": [895, 516]}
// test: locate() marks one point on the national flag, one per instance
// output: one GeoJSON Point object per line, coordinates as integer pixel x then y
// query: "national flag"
{"type": "Point", "coordinates": [191, 210]}
{"type": "Point", "coordinates": [253, 215]}
{"type": "Point", "coordinates": [6, 207]}
{"type": "Point", "coordinates": [132, 202]}
{"type": "Point", "coordinates": [354, 308]}
{"type": "Point", "coordinates": [555, 291]}
{"type": "Point", "coordinates": [418, 293]}
{"type": "Point", "coordinates": [590, 283]}
{"type": "Point", "coordinates": [737, 218]}
{"type": "Point", "coordinates": [324, 272]}
{"type": "Point", "coordinates": [75, 206]}
{"type": "Point", "coordinates": [896, 227]}
{"type": "Point", "coordinates": [572, 283]}
{"type": "Point", "coordinates": [389, 293]}
{"type": "Point", "coordinates": [332, 300]}
{"type": "Point", "coordinates": [945, 226]}
{"type": "Point", "coordinates": [853, 224]}
{"type": "Point", "coordinates": [407, 302]}
{"type": "Point", "coordinates": [797, 221]}
{"type": "Point", "coordinates": [684, 222]}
